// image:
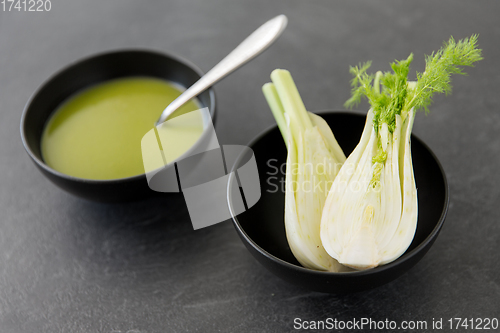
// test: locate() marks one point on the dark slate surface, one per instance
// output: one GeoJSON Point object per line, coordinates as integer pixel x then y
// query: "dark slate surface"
{"type": "Point", "coordinates": [68, 265]}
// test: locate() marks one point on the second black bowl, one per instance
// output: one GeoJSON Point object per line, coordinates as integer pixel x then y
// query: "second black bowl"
{"type": "Point", "coordinates": [262, 228]}
{"type": "Point", "coordinates": [88, 72]}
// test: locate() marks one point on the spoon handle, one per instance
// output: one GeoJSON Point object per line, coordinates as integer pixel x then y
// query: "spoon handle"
{"type": "Point", "coordinates": [254, 44]}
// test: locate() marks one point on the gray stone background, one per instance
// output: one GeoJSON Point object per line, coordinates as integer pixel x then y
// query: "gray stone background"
{"type": "Point", "coordinates": [67, 265]}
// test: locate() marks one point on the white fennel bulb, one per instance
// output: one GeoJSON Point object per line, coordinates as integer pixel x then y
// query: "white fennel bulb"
{"type": "Point", "coordinates": [370, 215]}
{"type": "Point", "coordinates": [314, 159]}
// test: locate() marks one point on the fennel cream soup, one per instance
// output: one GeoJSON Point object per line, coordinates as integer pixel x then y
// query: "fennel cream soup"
{"type": "Point", "coordinates": [96, 134]}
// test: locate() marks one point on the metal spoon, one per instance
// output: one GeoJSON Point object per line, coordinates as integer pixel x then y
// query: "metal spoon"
{"type": "Point", "coordinates": [254, 44]}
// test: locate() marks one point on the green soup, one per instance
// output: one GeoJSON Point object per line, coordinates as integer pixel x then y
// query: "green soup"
{"type": "Point", "coordinates": [96, 134]}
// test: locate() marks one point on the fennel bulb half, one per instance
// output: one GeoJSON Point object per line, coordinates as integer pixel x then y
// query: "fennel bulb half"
{"type": "Point", "coordinates": [370, 215]}
{"type": "Point", "coordinates": [314, 159]}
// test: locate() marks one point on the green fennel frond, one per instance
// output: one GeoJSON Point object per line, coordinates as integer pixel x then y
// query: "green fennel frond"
{"type": "Point", "coordinates": [397, 96]}
{"type": "Point", "coordinates": [396, 91]}
{"type": "Point", "coordinates": [438, 69]}
{"type": "Point", "coordinates": [361, 84]}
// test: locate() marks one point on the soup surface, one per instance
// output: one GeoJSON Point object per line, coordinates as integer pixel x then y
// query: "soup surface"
{"type": "Point", "coordinates": [96, 134]}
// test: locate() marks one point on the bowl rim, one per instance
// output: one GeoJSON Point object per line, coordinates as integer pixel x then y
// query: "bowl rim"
{"type": "Point", "coordinates": [90, 57]}
{"type": "Point", "coordinates": [404, 257]}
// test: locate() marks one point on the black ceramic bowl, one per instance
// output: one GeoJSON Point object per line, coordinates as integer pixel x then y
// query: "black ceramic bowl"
{"type": "Point", "coordinates": [262, 230]}
{"type": "Point", "coordinates": [83, 74]}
